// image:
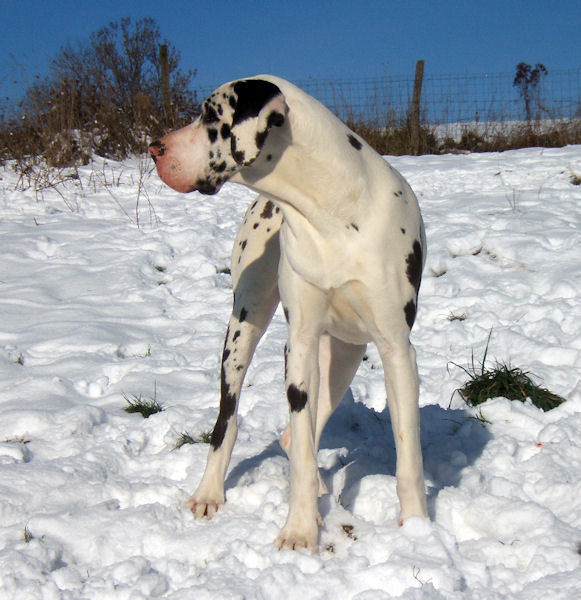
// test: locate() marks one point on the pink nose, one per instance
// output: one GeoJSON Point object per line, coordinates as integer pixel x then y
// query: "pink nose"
{"type": "Point", "coordinates": [169, 168]}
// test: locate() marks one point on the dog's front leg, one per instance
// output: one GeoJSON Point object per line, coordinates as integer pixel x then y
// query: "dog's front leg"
{"type": "Point", "coordinates": [338, 362]}
{"type": "Point", "coordinates": [301, 528]}
{"type": "Point", "coordinates": [239, 345]}
{"type": "Point", "coordinates": [303, 305]}
{"type": "Point", "coordinates": [254, 265]}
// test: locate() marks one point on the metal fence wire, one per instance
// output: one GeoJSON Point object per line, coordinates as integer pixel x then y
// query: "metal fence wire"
{"type": "Point", "coordinates": [450, 98]}
{"type": "Point", "coordinates": [447, 98]}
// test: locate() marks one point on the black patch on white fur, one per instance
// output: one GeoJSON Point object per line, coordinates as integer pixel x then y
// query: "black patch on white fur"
{"type": "Point", "coordinates": [253, 95]}
{"type": "Point", "coordinates": [260, 138]}
{"type": "Point", "coordinates": [410, 313]}
{"type": "Point", "coordinates": [225, 131]}
{"type": "Point", "coordinates": [207, 186]}
{"type": "Point", "coordinates": [297, 399]}
{"type": "Point", "coordinates": [414, 266]}
{"type": "Point", "coordinates": [209, 117]}
{"type": "Point", "coordinates": [238, 155]}
{"type": "Point", "coordinates": [275, 119]}
{"type": "Point", "coordinates": [212, 134]}
{"type": "Point", "coordinates": [354, 141]}
{"type": "Point", "coordinates": [267, 210]}
{"type": "Point", "coordinates": [227, 406]}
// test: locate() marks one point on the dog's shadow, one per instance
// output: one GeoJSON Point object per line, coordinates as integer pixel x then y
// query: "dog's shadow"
{"type": "Point", "coordinates": [363, 442]}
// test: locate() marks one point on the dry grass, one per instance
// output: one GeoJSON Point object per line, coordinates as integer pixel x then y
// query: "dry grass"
{"type": "Point", "coordinates": [395, 140]}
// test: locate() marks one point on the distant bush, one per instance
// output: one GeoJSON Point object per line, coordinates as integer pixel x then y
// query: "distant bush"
{"type": "Point", "coordinates": [105, 96]}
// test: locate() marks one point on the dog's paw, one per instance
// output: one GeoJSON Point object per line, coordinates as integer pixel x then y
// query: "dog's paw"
{"type": "Point", "coordinates": [204, 507]}
{"type": "Point", "coordinates": [299, 538]}
{"type": "Point", "coordinates": [291, 542]}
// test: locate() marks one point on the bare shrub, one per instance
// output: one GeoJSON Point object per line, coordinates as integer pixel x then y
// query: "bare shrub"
{"type": "Point", "coordinates": [103, 96]}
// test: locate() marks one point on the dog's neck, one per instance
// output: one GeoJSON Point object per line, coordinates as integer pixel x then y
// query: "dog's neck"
{"type": "Point", "coordinates": [301, 150]}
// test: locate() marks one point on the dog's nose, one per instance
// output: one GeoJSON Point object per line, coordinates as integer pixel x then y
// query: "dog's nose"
{"type": "Point", "coordinates": [156, 149]}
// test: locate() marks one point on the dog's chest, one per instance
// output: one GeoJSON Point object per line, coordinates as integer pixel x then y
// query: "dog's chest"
{"type": "Point", "coordinates": [327, 262]}
{"type": "Point", "coordinates": [349, 315]}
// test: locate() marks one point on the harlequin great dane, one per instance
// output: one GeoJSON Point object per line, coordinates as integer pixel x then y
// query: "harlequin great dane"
{"type": "Point", "coordinates": [338, 233]}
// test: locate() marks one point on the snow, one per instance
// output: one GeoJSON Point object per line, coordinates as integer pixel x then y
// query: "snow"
{"type": "Point", "coordinates": [95, 308]}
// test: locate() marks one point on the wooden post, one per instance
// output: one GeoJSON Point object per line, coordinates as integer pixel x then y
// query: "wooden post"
{"type": "Point", "coordinates": [415, 114]}
{"type": "Point", "coordinates": [165, 89]}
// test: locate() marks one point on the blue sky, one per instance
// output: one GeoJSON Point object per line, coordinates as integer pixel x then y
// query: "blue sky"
{"type": "Point", "coordinates": [299, 40]}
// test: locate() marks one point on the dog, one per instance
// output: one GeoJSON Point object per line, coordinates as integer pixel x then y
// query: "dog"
{"type": "Point", "coordinates": [337, 234]}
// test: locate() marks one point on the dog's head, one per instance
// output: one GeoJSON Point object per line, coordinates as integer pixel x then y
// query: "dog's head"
{"type": "Point", "coordinates": [229, 135]}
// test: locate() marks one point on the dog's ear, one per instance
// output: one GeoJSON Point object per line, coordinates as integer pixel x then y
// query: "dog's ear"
{"type": "Point", "coordinates": [260, 105]}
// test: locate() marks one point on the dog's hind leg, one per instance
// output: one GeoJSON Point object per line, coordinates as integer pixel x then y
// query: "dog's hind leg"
{"type": "Point", "coordinates": [402, 386]}
{"type": "Point", "coordinates": [255, 261]}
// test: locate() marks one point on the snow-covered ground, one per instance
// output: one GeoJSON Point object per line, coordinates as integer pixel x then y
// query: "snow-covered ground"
{"type": "Point", "coordinates": [93, 308]}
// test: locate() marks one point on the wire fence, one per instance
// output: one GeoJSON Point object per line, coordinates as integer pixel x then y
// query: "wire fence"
{"type": "Point", "coordinates": [447, 98]}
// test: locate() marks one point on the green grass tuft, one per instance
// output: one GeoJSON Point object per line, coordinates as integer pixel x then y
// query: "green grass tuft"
{"type": "Point", "coordinates": [187, 438]}
{"type": "Point", "coordinates": [507, 382]}
{"type": "Point", "coordinates": [184, 439]}
{"type": "Point", "coordinates": [205, 437]}
{"type": "Point", "coordinates": [504, 381]}
{"type": "Point", "coordinates": [144, 406]}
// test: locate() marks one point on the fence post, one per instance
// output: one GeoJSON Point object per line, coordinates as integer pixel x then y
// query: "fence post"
{"type": "Point", "coordinates": [165, 89]}
{"type": "Point", "coordinates": [415, 115]}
